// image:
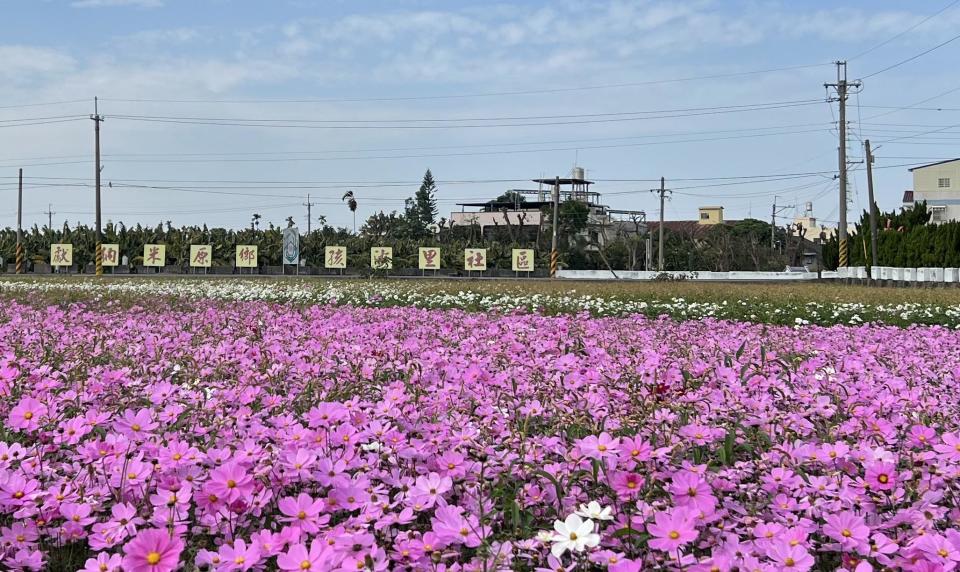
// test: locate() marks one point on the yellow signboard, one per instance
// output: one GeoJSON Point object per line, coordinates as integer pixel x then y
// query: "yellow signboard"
{"type": "Point", "coordinates": [61, 255]}
{"type": "Point", "coordinates": [522, 260]}
{"type": "Point", "coordinates": [429, 258]}
{"type": "Point", "coordinates": [110, 254]}
{"type": "Point", "coordinates": [475, 259]}
{"type": "Point", "coordinates": [246, 256]}
{"type": "Point", "coordinates": [154, 254]}
{"type": "Point", "coordinates": [335, 257]}
{"type": "Point", "coordinates": [381, 258]}
{"type": "Point", "coordinates": [201, 255]}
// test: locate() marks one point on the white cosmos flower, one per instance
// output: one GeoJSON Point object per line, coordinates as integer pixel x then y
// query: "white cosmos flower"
{"type": "Point", "coordinates": [371, 446]}
{"type": "Point", "coordinates": [573, 534]}
{"type": "Point", "coordinates": [594, 511]}
{"type": "Point", "coordinates": [545, 536]}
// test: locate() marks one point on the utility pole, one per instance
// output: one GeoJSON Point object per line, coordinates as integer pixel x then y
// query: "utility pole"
{"type": "Point", "coordinates": [663, 191]}
{"type": "Point", "coordinates": [554, 255]}
{"type": "Point", "coordinates": [842, 86]}
{"type": "Point", "coordinates": [874, 259]}
{"type": "Point", "coordinates": [50, 214]}
{"type": "Point", "coordinates": [308, 204]}
{"type": "Point", "coordinates": [20, 224]}
{"type": "Point", "coordinates": [773, 220]}
{"type": "Point", "coordinates": [97, 120]}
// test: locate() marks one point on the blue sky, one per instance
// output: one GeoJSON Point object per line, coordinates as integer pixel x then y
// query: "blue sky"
{"type": "Point", "coordinates": [580, 65]}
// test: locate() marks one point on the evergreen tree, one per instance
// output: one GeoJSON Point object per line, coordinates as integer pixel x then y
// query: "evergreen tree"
{"type": "Point", "coordinates": [425, 202]}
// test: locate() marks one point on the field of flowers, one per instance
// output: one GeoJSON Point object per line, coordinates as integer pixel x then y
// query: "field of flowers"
{"type": "Point", "coordinates": [799, 304]}
{"type": "Point", "coordinates": [229, 434]}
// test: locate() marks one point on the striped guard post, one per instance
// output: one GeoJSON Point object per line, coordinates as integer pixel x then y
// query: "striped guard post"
{"type": "Point", "coordinates": [843, 253]}
{"type": "Point", "coordinates": [99, 259]}
{"type": "Point", "coordinates": [554, 255]}
{"type": "Point", "coordinates": [19, 258]}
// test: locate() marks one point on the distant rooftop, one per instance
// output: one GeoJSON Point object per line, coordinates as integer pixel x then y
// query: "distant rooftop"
{"type": "Point", "coordinates": [934, 164]}
{"type": "Point", "coordinates": [554, 180]}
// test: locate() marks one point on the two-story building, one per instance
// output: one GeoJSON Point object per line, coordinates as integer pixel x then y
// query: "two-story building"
{"type": "Point", "coordinates": [938, 184]}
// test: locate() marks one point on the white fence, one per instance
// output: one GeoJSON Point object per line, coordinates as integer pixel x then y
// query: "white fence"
{"type": "Point", "coordinates": [733, 276]}
{"type": "Point", "coordinates": [883, 273]}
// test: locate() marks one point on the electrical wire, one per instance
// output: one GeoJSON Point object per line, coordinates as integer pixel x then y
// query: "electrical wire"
{"type": "Point", "coordinates": [910, 29]}
{"type": "Point", "coordinates": [911, 58]}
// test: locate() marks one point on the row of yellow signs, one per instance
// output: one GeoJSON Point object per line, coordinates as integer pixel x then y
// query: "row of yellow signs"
{"type": "Point", "coordinates": [381, 257]}
{"type": "Point", "coordinates": [201, 255]}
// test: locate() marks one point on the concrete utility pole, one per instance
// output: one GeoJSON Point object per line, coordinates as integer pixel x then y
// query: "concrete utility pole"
{"type": "Point", "coordinates": [20, 224]}
{"type": "Point", "coordinates": [663, 191]}
{"type": "Point", "coordinates": [773, 221]}
{"type": "Point", "coordinates": [308, 204]}
{"type": "Point", "coordinates": [97, 120]}
{"type": "Point", "coordinates": [554, 254]}
{"type": "Point", "coordinates": [842, 86]}
{"type": "Point", "coordinates": [874, 258]}
{"type": "Point", "coordinates": [50, 214]}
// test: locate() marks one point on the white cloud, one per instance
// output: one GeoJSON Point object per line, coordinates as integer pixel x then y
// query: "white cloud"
{"type": "Point", "coordinates": [23, 64]}
{"type": "Point", "coordinates": [112, 3]}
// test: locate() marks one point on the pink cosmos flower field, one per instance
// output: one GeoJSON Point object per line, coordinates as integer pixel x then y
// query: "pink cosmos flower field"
{"type": "Point", "coordinates": [253, 436]}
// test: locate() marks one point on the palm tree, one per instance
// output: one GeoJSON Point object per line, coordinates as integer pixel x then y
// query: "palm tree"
{"type": "Point", "coordinates": [255, 221]}
{"type": "Point", "coordinates": [352, 205]}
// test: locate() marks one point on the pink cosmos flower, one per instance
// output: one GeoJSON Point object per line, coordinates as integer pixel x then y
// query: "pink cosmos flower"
{"type": "Point", "coordinates": [848, 529]}
{"type": "Point", "coordinates": [452, 527]}
{"type": "Point", "coordinates": [673, 529]}
{"type": "Point", "coordinates": [26, 414]}
{"type": "Point", "coordinates": [26, 560]}
{"type": "Point", "coordinates": [303, 512]}
{"type": "Point", "coordinates": [949, 447]}
{"type": "Point", "coordinates": [152, 550]}
{"type": "Point", "coordinates": [299, 559]}
{"type": "Point", "coordinates": [104, 563]}
{"type": "Point", "coordinates": [230, 483]}
{"type": "Point", "coordinates": [882, 476]}
{"type": "Point", "coordinates": [240, 557]}
{"type": "Point", "coordinates": [599, 447]}
{"type": "Point", "coordinates": [790, 557]}
{"type": "Point", "coordinates": [691, 491]}
{"type": "Point", "coordinates": [627, 484]}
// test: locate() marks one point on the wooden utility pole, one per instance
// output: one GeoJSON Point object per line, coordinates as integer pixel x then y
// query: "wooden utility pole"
{"type": "Point", "coordinates": [97, 120]}
{"type": "Point", "coordinates": [874, 259]}
{"type": "Point", "coordinates": [842, 87]}
{"type": "Point", "coordinates": [663, 192]}
{"type": "Point", "coordinates": [20, 224]}
{"type": "Point", "coordinates": [554, 254]}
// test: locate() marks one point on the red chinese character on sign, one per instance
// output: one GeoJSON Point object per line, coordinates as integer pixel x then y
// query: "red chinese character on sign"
{"type": "Point", "coordinates": [337, 255]}
{"type": "Point", "coordinates": [201, 258]}
{"type": "Point", "coordinates": [59, 254]}
{"type": "Point", "coordinates": [429, 257]}
{"type": "Point", "coordinates": [247, 254]}
{"type": "Point", "coordinates": [523, 263]}
{"type": "Point", "coordinates": [475, 261]}
{"type": "Point", "coordinates": [382, 259]}
{"type": "Point", "coordinates": [109, 255]}
{"type": "Point", "coordinates": [154, 254]}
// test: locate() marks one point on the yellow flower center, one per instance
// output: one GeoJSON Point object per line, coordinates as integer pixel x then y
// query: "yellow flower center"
{"type": "Point", "coordinates": [177, 456]}
{"type": "Point", "coordinates": [305, 565]}
{"type": "Point", "coordinates": [846, 533]}
{"type": "Point", "coordinates": [239, 560]}
{"type": "Point", "coordinates": [631, 485]}
{"type": "Point", "coordinates": [789, 561]}
{"type": "Point", "coordinates": [103, 568]}
{"type": "Point", "coordinates": [601, 448]}
{"type": "Point", "coordinates": [883, 479]}
{"type": "Point", "coordinates": [135, 426]}
{"type": "Point", "coordinates": [943, 552]}
{"type": "Point", "coordinates": [674, 535]}
{"type": "Point", "coordinates": [231, 484]}
{"type": "Point", "coordinates": [573, 536]}
{"type": "Point", "coordinates": [18, 495]}
{"type": "Point", "coordinates": [28, 415]}
{"type": "Point", "coordinates": [153, 558]}
{"type": "Point", "coordinates": [301, 515]}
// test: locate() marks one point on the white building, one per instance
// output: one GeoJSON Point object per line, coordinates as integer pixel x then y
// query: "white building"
{"type": "Point", "coordinates": [938, 184]}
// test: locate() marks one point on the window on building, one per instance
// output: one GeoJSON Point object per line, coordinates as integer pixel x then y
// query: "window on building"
{"type": "Point", "coordinates": [943, 182]}
{"type": "Point", "coordinates": [704, 216]}
{"type": "Point", "coordinates": [938, 213]}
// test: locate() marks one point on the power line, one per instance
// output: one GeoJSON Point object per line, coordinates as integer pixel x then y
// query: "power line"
{"type": "Point", "coordinates": [911, 58]}
{"type": "Point", "coordinates": [910, 29]}
{"type": "Point", "coordinates": [480, 94]}
{"type": "Point", "coordinates": [345, 124]}
{"type": "Point", "coordinates": [47, 103]}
